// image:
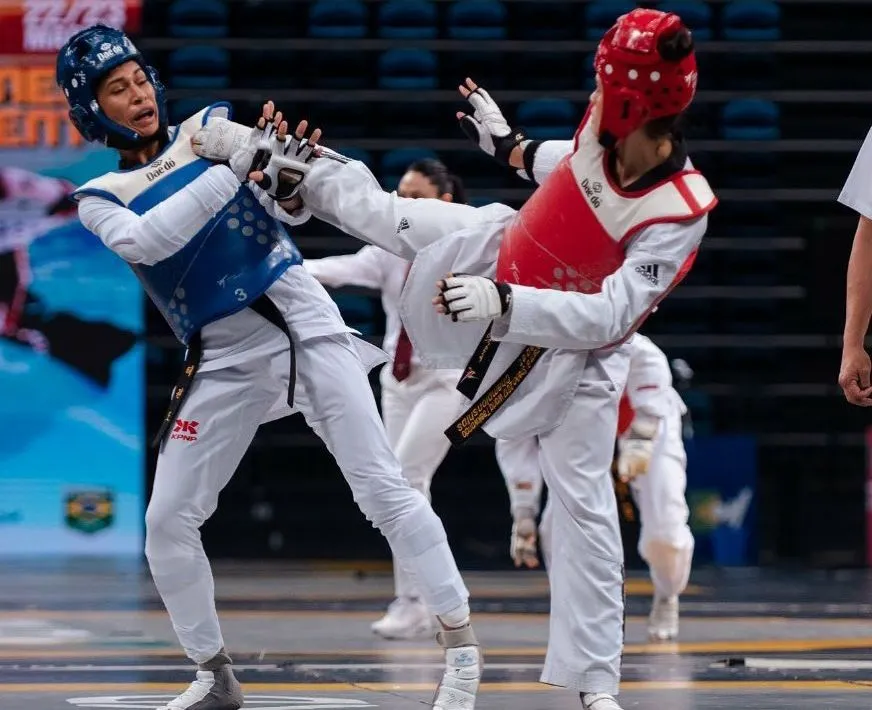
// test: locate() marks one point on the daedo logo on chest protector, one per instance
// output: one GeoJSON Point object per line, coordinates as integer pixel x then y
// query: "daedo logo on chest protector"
{"type": "Point", "coordinates": [592, 189]}
{"type": "Point", "coordinates": [158, 168]}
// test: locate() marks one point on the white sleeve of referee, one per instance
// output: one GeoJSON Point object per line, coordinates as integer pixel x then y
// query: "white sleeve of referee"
{"type": "Point", "coordinates": [857, 192]}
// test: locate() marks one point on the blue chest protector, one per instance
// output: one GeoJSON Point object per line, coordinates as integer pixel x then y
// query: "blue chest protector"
{"type": "Point", "coordinates": [223, 268]}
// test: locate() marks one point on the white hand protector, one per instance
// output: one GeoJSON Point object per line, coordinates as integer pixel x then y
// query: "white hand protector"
{"type": "Point", "coordinates": [219, 139]}
{"type": "Point", "coordinates": [488, 128]}
{"type": "Point", "coordinates": [245, 150]}
{"type": "Point", "coordinates": [636, 447]}
{"type": "Point", "coordinates": [470, 298]}
{"type": "Point", "coordinates": [289, 162]}
{"type": "Point", "coordinates": [523, 546]}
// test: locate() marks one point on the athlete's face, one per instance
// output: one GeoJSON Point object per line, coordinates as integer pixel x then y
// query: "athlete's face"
{"type": "Point", "coordinates": [127, 97]}
{"type": "Point", "coordinates": [414, 184]}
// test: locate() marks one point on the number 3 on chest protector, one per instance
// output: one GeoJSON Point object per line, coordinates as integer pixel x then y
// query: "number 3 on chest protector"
{"type": "Point", "coordinates": [240, 294]}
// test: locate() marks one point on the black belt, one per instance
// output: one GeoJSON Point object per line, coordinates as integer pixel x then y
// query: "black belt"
{"type": "Point", "coordinates": [475, 417]}
{"type": "Point", "coordinates": [264, 307]}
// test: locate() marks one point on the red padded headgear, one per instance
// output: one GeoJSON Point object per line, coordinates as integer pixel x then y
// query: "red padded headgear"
{"type": "Point", "coordinates": [637, 84]}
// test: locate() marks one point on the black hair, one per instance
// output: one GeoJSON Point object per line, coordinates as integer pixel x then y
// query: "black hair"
{"type": "Point", "coordinates": [439, 176]}
{"type": "Point", "coordinates": [673, 47]}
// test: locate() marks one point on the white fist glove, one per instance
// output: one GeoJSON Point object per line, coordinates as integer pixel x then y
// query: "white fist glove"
{"type": "Point", "coordinates": [470, 298]}
{"type": "Point", "coordinates": [636, 447]}
{"type": "Point", "coordinates": [223, 140]}
{"type": "Point", "coordinates": [289, 162]}
{"type": "Point", "coordinates": [219, 139]}
{"type": "Point", "coordinates": [524, 543]}
{"type": "Point", "coordinates": [488, 128]}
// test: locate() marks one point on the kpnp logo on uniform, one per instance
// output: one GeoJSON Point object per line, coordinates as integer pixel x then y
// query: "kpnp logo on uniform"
{"type": "Point", "coordinates": [252, 702]}
{"type": "Point", "coordinates": [185, 429]}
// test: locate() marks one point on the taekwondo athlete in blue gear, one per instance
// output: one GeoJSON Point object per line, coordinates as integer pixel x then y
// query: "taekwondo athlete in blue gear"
{"type": "Point", "coordinates": [248, 248]}
{"type": "Point", "coordinates": [205, 243]}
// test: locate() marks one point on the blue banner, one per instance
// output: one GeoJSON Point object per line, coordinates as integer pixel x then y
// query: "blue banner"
{"type": "Point", "coordinates": [71, 369]}
{"type": "Point", "coordinates": [722, 496]}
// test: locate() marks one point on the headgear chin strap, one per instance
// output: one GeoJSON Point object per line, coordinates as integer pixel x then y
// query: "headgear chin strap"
{"type": "Point", "coordinates": [86, 58]}
{"type": "Point", "coordinates": [636, 82]}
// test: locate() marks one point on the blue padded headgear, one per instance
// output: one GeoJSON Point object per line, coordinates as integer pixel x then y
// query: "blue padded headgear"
{"type": "Point", "coordinates": [85, 59]}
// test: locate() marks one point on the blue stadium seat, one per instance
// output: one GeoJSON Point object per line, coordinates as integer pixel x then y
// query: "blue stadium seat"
{"type": "Point", "coordinates": [364, 156]}
{"type": "Point", "coordinates": [338, 18]}
{"type": "Point", "coordinates": [407, 19]}
{"type": "Point", "coordinates": [341, 119]}
{"type": "Point", "coordinates": [266, 18]}
{"type": "Point", "coordinates": [751, 20]}
{"type": "Point", "coordinates": [407, 69]}
{"type": "Point", "coordinates": [357, 311]}
{"type": "Point", "coordinates": [600, 16]}
{"type": "Point", "coordinates": [697, 16]}
{"type": "Point", "coordinates": [548, 119]}
{"type": "Point", "coordinates": [750, 120]}
{"type": "Point", "coordinates": [544, 19]}
{"type": "Point", "coordinates": [476, 19]}
{"type": "Point", "coordinates": [198, 18]}
{"type": "Point", "coordinates": [181, 109]}
{"type": "Point", "coordinates": [199, 67]}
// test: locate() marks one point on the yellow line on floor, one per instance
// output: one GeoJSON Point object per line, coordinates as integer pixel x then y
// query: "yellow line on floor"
{"type": "Point", "coordinates": [699, 685]}
{"type": "Point", "coordinates": [737, 646]}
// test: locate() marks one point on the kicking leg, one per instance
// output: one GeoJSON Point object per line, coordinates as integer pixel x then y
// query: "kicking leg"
{"type": "Point", "coordinates": [342, 411]}
{"type": "Point", "coordinates": [415, 415]}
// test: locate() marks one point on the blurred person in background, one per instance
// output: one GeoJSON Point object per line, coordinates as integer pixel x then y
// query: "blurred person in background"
{"type": "Point", "coordinates": [417, 403]}
{"type": "Point", "coordinates": [650, 457]}
{"type": "Point", "coordinates": [263, 338]}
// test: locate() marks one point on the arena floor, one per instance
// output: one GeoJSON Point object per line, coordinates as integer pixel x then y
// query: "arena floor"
{"type": "Point", "coordinates": [91, 634]}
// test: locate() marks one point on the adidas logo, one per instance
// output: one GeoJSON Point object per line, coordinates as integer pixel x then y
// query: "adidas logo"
{"type": "Point", "coordinates": [403, 225]}
{"type": "Point", "coordinates": [650, 272]}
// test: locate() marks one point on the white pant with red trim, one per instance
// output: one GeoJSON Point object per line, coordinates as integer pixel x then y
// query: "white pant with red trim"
{"type": "Point", "coordinates": [228, 403]}
{"type": "Point", "coordinates": [416, 413]}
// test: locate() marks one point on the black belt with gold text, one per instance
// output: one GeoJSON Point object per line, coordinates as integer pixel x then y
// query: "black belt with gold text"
{"type": "Point", "coordinates": [264, 307]}
{"type": "Point", "coordinates": [475, 417]}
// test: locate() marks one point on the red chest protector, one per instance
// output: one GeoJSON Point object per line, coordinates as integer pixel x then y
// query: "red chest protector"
{"type": "Point", "coordinates": [573, 231]}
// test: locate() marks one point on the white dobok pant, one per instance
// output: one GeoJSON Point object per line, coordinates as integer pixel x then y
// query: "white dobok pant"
{"type": "Point", "coordinates": [416, 413]}
{"type": "Point", "coordinates": [228, 404]}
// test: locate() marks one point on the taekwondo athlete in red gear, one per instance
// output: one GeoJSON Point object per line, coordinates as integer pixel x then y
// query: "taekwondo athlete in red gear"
{"type": "Point", "coordinates": [264, 339]}
{"type": "Point", "coordinates": [651, 457]}
{"type": "Point", "coordinates": [556, 306]}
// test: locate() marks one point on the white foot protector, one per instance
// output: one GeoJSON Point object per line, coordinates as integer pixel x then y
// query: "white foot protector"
{"type": "Point", "coordinates": [599, 701]}
{"type": "Point", "coordinates": [463, 663]}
